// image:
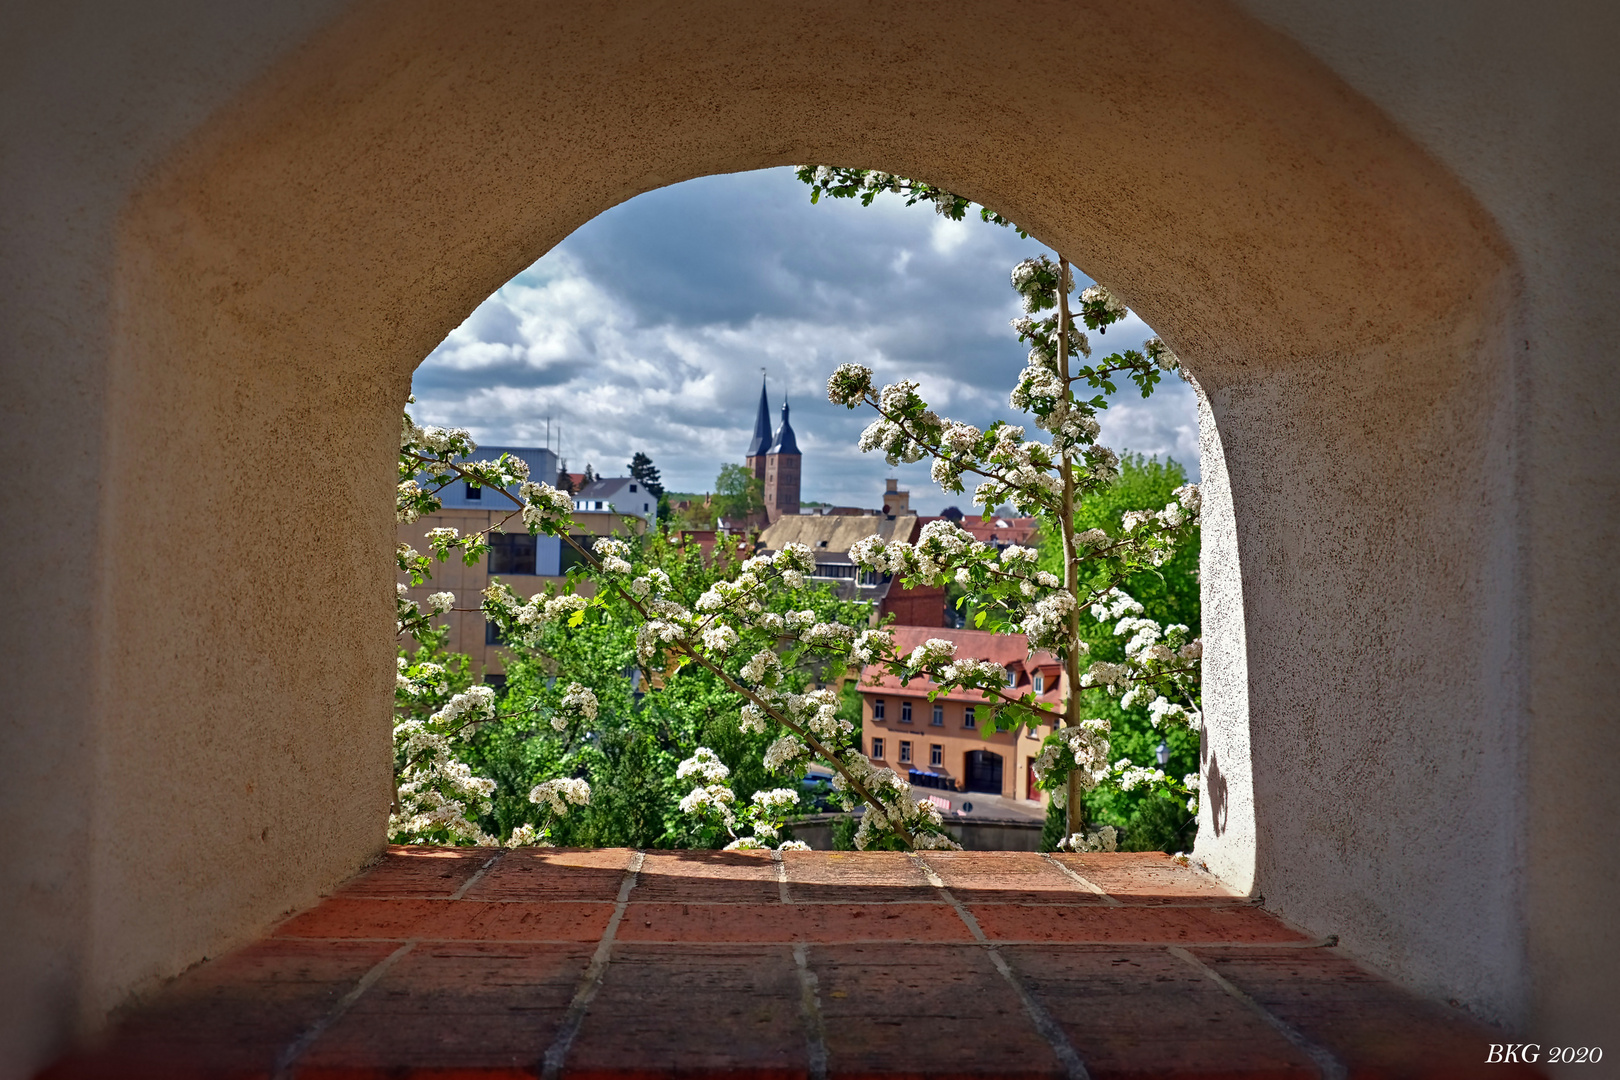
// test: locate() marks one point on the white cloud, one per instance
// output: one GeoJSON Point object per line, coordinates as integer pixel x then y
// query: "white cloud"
{"type": "Point", "coordinates": [646, 330]}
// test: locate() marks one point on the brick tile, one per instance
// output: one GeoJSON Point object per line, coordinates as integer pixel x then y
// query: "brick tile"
{"type": "Point", "coordinates": [1373, 1026]}
{"type": "Point", "coordinates": [1096, 924]}
{"type": "Point", "coordinates": [694, 1011]}
{"type": "Point", "coordinates": [729, 876]}
{"type": "Point", "coordinates": [463, 1008]}
{"type": "Point", "coordinates": [450, 920]}
{"type": "Point", "coordinates": [792, 922]}
{"type": "Point", "coordinates": [855, 877]}
{"type": "Point", "coordinates": [231, 1017]}
{"type": "Point", "coordinates": [1009, 877]}
{"type": "Point", "coordinates": [935, 1011]}
{"type": "Point", "coordinates": [1143, 1012]}
{"type": "Point", "coordinates": [417, 871]}
{"type": "Point", "coordinates": [1148, 877]}
{"type": "Point", "coordinates": [554, 874]}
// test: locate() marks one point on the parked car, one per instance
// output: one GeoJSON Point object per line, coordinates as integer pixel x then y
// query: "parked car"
{"type": "Point", "coordinates": [816, 793]}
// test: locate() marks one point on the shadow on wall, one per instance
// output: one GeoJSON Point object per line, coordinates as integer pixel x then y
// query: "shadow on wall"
{"type": "Point", "coordinates": [1215, 790]}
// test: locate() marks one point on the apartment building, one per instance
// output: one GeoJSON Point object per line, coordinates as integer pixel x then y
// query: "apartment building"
{"type": "Point", "coordinates": [526, 563]}
{"type": "Point", "coordinates": [942, 743]}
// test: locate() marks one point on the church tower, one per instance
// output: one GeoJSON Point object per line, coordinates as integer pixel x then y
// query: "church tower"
{"type": "Point", "coordinates": [782, 471]}
{"type": "Point", "coordinates": [760, 444]}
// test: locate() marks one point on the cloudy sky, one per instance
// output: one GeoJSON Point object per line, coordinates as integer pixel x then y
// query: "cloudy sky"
{"type": "Point", "coordinates": [647, 329]}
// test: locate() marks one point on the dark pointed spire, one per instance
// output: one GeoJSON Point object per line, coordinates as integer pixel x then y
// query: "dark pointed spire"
{"type": "Point", "coordinates": [785, 443]}
{"type": "Point", "coordinates": [761, 442]}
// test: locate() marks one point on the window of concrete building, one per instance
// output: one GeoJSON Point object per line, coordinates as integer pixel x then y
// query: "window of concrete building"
{"type": "Point", "coordinates": [877, 748]}
{"type": "Point", "coordinates": [511, 553]}
{"type": "Point", "coordinates": [905, 751]}
{"type": "Point", "coordinates": [969, 718]}
{"type": "Point", "coordinates": [474, 491]}
{"type": "Point", "coordinates": [877, 708]}
{"type": "Point", "coordinates": [569, 557]}
{"type": "Point", "coordinates": [939, 715]}
{"type": "Point", "coordinates": [936, 755]}
{"type": "Point", "coordinates": [492, 634]}
{"type": "Point", "coordinates": [905, 712]}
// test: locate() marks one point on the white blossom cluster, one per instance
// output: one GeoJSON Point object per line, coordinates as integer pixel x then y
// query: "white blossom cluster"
{"type": "Point", "coordinates": [435, 791]}
{"type": "Point", "coordinates": [545, 508]}
{"type": "Point", "coordinates": [711, 800]}
{"type": "Point", "coordinates": [557, 795]}
{"type": "Point", "coordinates": [1080, 748]}
{"type": "Point", "coordinates": [578, 703]}
{"type": "Point", "coordinates": [1104, 839]}
{"type": "Point", "coordinates": [894, 808]}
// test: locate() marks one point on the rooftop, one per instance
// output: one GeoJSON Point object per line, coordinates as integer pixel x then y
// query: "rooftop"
{"type": "Point", "coordinates": [1008, 650]}
{"type": "Point", "coordinates": [616, 963]}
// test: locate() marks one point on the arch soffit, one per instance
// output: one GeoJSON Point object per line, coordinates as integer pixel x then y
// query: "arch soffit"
{"type": "Point", "coordinates": [387, 177]}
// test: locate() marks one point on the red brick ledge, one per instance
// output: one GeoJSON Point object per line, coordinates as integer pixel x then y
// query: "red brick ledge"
{"type": "Point", "coordinates": [453, 962]}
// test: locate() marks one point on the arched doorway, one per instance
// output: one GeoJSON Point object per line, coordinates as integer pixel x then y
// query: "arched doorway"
{"type": "Point", "coordinates": [284, 269]}
{"type": "Point", "coordinates": [982, 771]}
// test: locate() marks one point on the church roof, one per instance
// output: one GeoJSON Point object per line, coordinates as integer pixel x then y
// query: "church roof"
{"type": "Point", "coordinates": [761, 442]}
{"type": "Point", "coordinates": [785, 443]}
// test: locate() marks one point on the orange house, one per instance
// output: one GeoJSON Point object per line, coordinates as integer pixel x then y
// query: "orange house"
{"type": "Point", "coordinates": [943, 742]}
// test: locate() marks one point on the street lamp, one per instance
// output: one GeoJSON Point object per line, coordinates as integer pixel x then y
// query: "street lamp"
{"type": "Point", "coordinates": [1163, 753]}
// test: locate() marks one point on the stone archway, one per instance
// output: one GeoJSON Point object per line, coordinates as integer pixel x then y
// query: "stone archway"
{"type": "Point", "coordinates": [1345, 304]}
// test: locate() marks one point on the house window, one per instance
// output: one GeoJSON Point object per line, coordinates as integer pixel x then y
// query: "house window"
{"type": "Point", "coordinates": [474, 491]}
{"type": "Point", "coordinates": [511, 553]}
{"type": "Point", "coordinates": [939, 715]}
{"type": "Point", "coordinates": [1012, 676]}
{"type": "Point", "coordinates": [936, 755]}
{"type": "Point", "coordinates": [968, 719]}
{"type": "Point", "coordinates": [569, 557]}
{"type": "Point", "coordinates": [877, 708]}
{"type": "Point", "coordinates": [1040, 684]}
{"type": "Point", "coordinates": [632, 489]}
{"type": "Point", "coordinates": [905, 751]}
{"type": "Point", "coordinates": [905, 712]}
{"type": "Point", "coordinates": [877, 749]}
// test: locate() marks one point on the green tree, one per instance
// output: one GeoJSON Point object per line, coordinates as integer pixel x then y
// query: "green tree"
{"type": "Point", "coordinates": [738, 493]}
{"type": "Point", "coordinates": [646, 723]}
{"type": "Point", "coordinates": [643, 469]}
{"type": "Point", "coordinates": [1151, 820]}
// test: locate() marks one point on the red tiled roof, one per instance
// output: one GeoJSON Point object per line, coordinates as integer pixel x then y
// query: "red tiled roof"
{"type": "Point", "coordinates": [1008, 650]}
{"type": "Point", "coordinates": [1005, 530]}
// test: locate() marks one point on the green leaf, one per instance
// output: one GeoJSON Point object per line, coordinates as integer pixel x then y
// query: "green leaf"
{"type": "Point", "coordinates": [577, 618]}
{"type": "Point", "coordinates": [978, 619]}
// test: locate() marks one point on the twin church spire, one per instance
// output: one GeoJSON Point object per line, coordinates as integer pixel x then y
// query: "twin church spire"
{"type": "Point", "coordinates": [775, 460]}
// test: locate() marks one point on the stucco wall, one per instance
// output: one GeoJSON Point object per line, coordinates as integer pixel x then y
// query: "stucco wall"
{"type": "Point", "coordinates": [232, 233]}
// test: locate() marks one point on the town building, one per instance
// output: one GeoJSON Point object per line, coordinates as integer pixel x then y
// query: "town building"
{"type": "Point", "coordinates": [525, 562]}
{"type": "Point", "coordinates": [1002, 532]}
{"type": "Point", "coordinates": [830, 537]}
{"type": "Point", "coordinates": [942, 743]}
{"type": "Point", "coordinates": [619, 494]}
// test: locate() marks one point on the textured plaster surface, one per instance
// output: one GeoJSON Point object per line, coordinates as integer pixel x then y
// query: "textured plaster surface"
{"type": "Point", "coordinates": [229, 282]}
{"type": "Point", "coordinates": [92, 97]}
{"type": "Point", "coordinates": [1525, 112]}
{"type": "Point", "coordinates": [1226, 824]}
